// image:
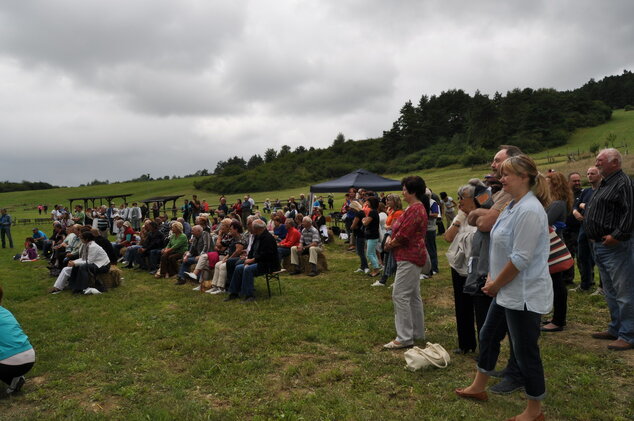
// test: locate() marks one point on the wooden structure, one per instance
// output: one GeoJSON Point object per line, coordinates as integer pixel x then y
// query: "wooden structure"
{"type": "Point", "coordinates": [93, 199]}
{"type": "Point", "coordinates": [162, 203]}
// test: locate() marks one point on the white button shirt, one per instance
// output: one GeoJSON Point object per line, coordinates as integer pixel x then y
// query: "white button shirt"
{"type": "Point", "coordinates": [520, 235]}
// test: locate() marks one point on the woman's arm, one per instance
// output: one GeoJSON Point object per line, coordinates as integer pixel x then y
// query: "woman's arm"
{"type": "Point", "coordinates": [508, 273]}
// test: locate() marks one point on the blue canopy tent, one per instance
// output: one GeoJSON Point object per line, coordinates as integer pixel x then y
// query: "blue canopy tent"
{"type": "Point", "coordinates": [358, 179]}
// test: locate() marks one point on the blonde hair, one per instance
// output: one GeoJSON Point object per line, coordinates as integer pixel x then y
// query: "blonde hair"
{"type": "Point", "coordinates": [523, 165]}
{"type": "Point", "coordinates": [178, 226]}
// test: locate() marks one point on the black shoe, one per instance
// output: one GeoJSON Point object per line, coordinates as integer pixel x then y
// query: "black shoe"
{"type": "Point", "coordinates": [180, 281]}
{"type": "Point", "coordinates": [296, 272]}
{"type": "Point", "coordinates": [231, 297]}
{"type": "Point", "coordinates": [506, 386]}
{"type": "Point", "coordinates": [249, 299]}
{"type": "Point", "coordinates": [462, 351]}
{"type": "Point", "coordinates": [313, 273]}
{"type": "Point", "coordinates": [552, 329]}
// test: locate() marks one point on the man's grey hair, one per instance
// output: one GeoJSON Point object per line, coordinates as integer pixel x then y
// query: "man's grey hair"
{"type": "Point", "coordinates": [307, 219]}
{"type": "Point", "coordinates": [258, 224]}
{"type": "Point", "coordinates": [250, 218]}
{"type": "Point", "coordinates": [613, 155]}
{"type": "Point", "coordinates": [197, 228]}
{"type": "Point", "coordinates": [467, 190]}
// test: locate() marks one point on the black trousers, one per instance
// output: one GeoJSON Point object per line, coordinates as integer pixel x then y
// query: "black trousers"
{"type": "Point", "coordinates": [471, 312]}
{"type": "Point", "coordinates": [560, 298]}
{"type": "Point", "coordinates": [9, 372]}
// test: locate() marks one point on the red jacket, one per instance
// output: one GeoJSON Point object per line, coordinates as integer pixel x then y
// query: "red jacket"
{"type": "Point", "coordinates": [292, 238]}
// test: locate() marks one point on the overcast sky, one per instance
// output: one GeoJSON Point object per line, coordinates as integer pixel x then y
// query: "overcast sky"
{"type": "Point", "coordinates": [114, 89]}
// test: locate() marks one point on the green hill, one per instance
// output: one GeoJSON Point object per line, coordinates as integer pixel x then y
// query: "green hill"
{"type": "Point", "coordinates": [23, 203]}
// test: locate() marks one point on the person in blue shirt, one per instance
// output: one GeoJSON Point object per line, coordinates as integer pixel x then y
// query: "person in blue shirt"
{"type": "Point", "coordinates": [520, 283]}
{"type": "Point", "coordinates": [39, 238]}
{"type": "Point", "coordinates": [17, 356]}
{"type": "Point", "coordinates": [5, 228]}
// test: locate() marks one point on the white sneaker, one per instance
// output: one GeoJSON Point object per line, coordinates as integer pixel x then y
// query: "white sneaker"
{"type": "Point", "coordinates": [196, 288]}
{"type": "Point", "coordinates": [434, 273]}
{"type": "Point", "coordinates": [89, 291]}
{"type": "Point", "coordinates": [191, 276]}
{"type": "Point", "coordinates": [218, 291]}
{"type": "Point", "coordinates": [366, 270]}
{"type": "Point", "coordinates": [377, 284]}
{"type": "Point", "coordinates": [599, 291]}
{"type": "Point", "coordinates": [423, 276]}
{"type": "Point", "coordinates": [358, 270]}
{"type": "Point", "coordinates": [120, 259]}
{"type": "Point", "coordinates": [211, 290]}
{"type": "Point", "coordinates": [125, 263]}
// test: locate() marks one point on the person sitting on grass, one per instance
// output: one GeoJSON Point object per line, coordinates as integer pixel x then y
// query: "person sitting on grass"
{"type": "Point", "coordinates": [262, 259]}
{"type": "Point", "coordinates": [310, 244]}
{"type": "Point", "coordinates": [39, 237]}
{"type": "Point", "coordinates": [17, 355]}
{"type": "Point", "coordinates": [30, 251]}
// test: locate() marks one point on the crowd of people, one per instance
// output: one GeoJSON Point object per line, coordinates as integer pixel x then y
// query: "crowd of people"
{"type": "Point", "coordinates": [501, 233]}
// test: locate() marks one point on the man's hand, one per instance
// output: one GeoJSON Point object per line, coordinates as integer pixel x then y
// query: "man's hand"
{"type": "Point", "coordinates": [578, 216]}
{"type": "Point", "coordinates": [609, 241]}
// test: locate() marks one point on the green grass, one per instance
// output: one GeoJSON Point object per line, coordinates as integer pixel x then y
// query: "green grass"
{"type": "Point", "coordinates": [152, 350]}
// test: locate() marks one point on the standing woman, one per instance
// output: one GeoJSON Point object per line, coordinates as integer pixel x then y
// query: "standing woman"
{"type": "Point", "coordinates": [408, 245]}
{"type": "Point", "coordinates": [558, 211]}
{"type": "Point", "coordinates": [17, 356]}
{"type": "Point", "coordinates": [359, 236]}
{"type": "Point", "coordinates": [520, 284]}
{"type": "Point", "coordinates": [371, 224]}
{"type": "Point", "coordinates": [394, 211]}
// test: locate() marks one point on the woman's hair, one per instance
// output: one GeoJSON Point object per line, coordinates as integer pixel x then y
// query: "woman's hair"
{"type": "Point", "coordinates": [373, 201]}
{"type": "Point", "coordinates": [237, 225]}
{"type": "Point", "coordinates": [398, 205]}
{"type": "Point", "coordinates": [29, 240]}
{"type": "Point", "coordinates": [524, 165]}
{"type": "Point", "coordinates": [178, 226]}
{"type": "Point", "coordinates": [290, 221]}
{"type": "Point", "coordinates": [416, 185]}
{"type": "Point", "coordinates": [467, 190]}
{"type": "Point", "coordinates": [560, 190]}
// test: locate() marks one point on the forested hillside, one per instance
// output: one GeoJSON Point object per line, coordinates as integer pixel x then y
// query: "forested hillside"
{"type": "Point", "coordinates": [451, 128]}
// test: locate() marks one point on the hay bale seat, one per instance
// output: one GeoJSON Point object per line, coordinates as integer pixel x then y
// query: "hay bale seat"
{"type": "Point", "coordinates": [322, 263]}
{"type": "Point", "coordinates": [112, 278]}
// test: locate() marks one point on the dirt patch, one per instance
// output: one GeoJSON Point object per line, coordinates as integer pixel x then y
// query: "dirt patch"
{"type": "Point", "coordinates": [579, 335]}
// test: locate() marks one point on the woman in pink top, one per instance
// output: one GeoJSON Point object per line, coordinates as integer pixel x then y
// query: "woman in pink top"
{"type": "Point", "coordinates": [408, 245]}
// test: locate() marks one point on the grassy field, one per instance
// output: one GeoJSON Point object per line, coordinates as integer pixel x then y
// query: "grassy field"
{"type": "Point", "coordinates": [153, 350]}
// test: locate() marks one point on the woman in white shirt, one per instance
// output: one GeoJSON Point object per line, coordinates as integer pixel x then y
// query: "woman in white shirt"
{"type": "Point", "coordinates": [520, 284]}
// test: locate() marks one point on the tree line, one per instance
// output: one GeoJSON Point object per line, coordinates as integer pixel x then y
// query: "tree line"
{"type": "Point", "coordinates": [439, 130]}
{"type": "Point", "coordinates": [9, 186]}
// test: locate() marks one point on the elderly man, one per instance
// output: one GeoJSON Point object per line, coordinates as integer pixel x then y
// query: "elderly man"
{"type": "Point", "coordinates": [310, 243]}
{"type": "Point", "coordinates": [200, 243]}
{"type": "Point", "coordinates": [585, 260]}
{"type": "Point", "coordinates": [5, 228]}
{"type": "Point", "coordinates": [262, 259]}
{"type": "Point", "coordinates": [609, 222]}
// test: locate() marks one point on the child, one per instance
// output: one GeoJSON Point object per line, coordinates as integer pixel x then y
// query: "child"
{"type": "Point", "coordinates": [30, 251]}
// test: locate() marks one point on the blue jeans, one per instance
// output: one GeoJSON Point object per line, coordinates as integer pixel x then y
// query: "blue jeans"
{"type": "Point", "coordinates": [130, 253]}
{"type": "Point", "coordinates": [185, 266]}
{"type": "Point", "coordinates": [242, 279]}
{"type": "Point", "coordinates": [371, 252]}
{"type": "Point", "coordinates": [283, 252]}
{"type": "Point", "coordinates": [430, 243]}
{"type": "Point", "coordinates": [525, 364]}
{"type": "Point", "coordinates": [616, 265]}
{"type": "Point", "coordinates": [360, 246]}
{"type": "Point", "coordinates": [6, 231]}
{"type": "Point", "coordinates": [585, 260]}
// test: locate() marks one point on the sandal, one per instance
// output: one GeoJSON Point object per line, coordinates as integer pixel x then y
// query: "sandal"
{"type": "Point", "coordinates": [395, 345]}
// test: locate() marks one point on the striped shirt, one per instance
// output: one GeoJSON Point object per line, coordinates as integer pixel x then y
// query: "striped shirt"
{"type": "Point", "coordinates": [310, 235]}
{"type": "Point", "coordinates": [611, 209]}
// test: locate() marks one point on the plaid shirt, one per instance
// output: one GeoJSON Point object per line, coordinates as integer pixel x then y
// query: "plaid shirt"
{"type": "Point", "coordinates": [409, 231]}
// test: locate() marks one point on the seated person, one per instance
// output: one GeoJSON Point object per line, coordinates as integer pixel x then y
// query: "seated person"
{"type": "Point", "coordinates": [125, 237]}
{"type": "Point", "coordinates": [292, 239]}
{"type": "Point", "coordinates": [200, 244]}
{"type": "Point", "coordinates": [170, 255]}
{"type": "Point", "coordinates": [151, 246]}
{"type": "Point", "coordinates": [279, 229]}
{"type": "Point", "coordinates": [39, 237]}
{"type": "Point", "coordinates": [319, 222]}
{"type": "Point", "coordinates": [105, 245]}
{"type": "Point", "coordinates": [93, 260]}
{"type": "Point", "coordinates": [30, 251]}
{"type": "Point", "coordinates": [232, 243]}
{"type": "Point", "coordinates": [56, 238]}
{"type": "Point", "coordinates": [17, 356]}
{"type": "Point", "coordinates": [262, 259]}
{"type": "Point", "coordinates": [310, 243]}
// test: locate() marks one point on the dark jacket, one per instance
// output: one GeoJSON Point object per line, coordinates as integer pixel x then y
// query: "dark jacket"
{"type": "Point", "coordinates": [107, 247]}
{"type": "Point", "coordinates": [264, 251]}
{"type": "Point", "coordinates": [154, 240]}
